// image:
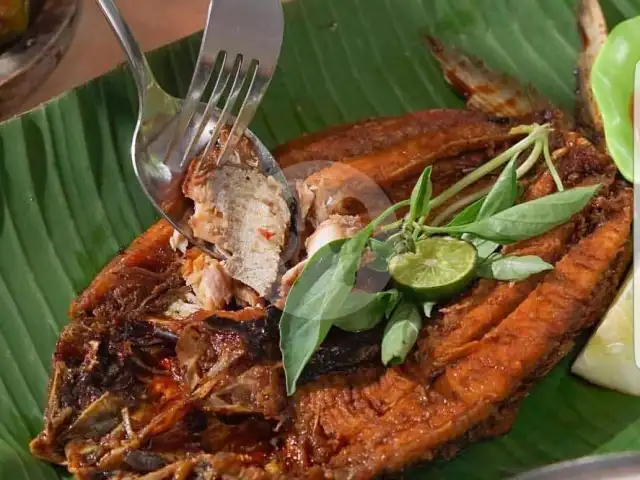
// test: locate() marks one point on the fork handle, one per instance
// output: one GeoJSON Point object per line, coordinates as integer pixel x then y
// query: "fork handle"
{"type": "Point", "coordinates": [137, 61]}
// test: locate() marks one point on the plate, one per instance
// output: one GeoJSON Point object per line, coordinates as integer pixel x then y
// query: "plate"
{"type": "Point", "coordinates": [26, 63]}
{"type": "Point", "coordinates": [69, 200]}
{"type": "Point", "coordinates": [625, 466]}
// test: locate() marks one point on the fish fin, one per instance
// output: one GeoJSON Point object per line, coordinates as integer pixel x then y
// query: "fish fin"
{"type": "Point", "coordinates": [593, 32]}
{"type": "Point", "coordinates": [483, 89]}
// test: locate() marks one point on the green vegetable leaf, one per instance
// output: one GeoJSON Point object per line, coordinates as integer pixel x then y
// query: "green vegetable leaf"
{"type": "Point", "coordinates": [468, 215]}
{"type": "Point", "coordinates": [512, 268]}
{"type": "Point", "coordinates": [529, 219]}
{"type": "Point", "coordinates": [427, 308]}
{"type": "Point", "coordinates": [420, 197]}
{"type": "Point", "coordinates": [316, 300]}
{"type": "Point", "coordinates": [305, 319]}
{"type": "Point", "coordinates": [503, 194]}
{"type": "Point", "coordinates": [318, 297]}
{"type": "Point", "coordinates": [382, 251]}
{"type": "Point", "coordinates": [366, 309]}
{"type": "Point", "coordinates": [392, 304]}
{"type": "Point", "coordinates": [484, 247]}
{"type": "Point", "coordinates": [401, 333]}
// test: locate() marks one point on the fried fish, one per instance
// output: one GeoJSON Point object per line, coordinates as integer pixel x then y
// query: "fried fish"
{"type": "Point", "coordinates": [170, 368]}
{"type": "Point", "coordinates": [144, 389]}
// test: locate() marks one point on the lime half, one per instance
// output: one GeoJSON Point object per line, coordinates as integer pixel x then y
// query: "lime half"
{"type": "Point", "coordinates": [607, 359]}
{"type": "Point", "coordinates": [439, 268]}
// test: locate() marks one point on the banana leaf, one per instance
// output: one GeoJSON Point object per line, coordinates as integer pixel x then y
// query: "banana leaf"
{"type": "Point", "coordinates": [69, 200]}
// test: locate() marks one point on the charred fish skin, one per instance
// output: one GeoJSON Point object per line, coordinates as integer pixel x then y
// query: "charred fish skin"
{"type": "Point", "coordinates": [131, 276]}
{"type": "Point", "coordinates": [101, 369]}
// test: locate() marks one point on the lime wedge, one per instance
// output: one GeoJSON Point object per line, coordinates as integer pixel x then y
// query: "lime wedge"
{"type": "Point", "coordinates": [439, 268]}
{"type": "Point", "coordinates": [608, 360]}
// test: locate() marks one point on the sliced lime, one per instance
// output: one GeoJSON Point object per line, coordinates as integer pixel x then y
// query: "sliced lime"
{"type": "Point", "coordinates": [607, 359]}
{"type": "Point", "coordinates": [439, 268]}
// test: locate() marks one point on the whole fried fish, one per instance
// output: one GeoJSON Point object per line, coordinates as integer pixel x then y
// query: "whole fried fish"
{"type": "Point", "coordinates": [142, 389]}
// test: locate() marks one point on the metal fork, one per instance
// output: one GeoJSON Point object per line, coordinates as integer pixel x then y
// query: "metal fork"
{"type": "Point", "coordinates": [159, 160]}
{"type": "Point", "coordinates": [245, 37]}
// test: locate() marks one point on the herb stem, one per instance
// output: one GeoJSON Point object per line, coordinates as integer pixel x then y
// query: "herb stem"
{"type": "Point", "coordinates": [421, 222]}
{"type": "Point", "coordinates": [526, 166]}
{"type": "Point", "coordinates": [530, 161]}
{"type": "Point", "coordinates": [552, 167]}
{"type": "Point", "coordinates": [392, 226]}
{"type": "Point", "coordinates": [459, 205]}
{"type": "Point", "coordinates": [375, 223]}
{"type": "Point", "coordinates": [537, 132]}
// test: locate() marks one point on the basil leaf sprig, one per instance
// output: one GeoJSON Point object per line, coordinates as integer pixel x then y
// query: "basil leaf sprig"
{"type": "Point", "coordinates": [317, 298]}
{"type": "Point", "coordinates": [512, 268]}
{"type": "Point", "coordinates": [401, 333]}
{"type": "Point", "coordinates": [525, 220]}
{"type": "Point", "coordinates": [365, 310]}
{"type": "Point", "coordinates": [503, 195]}
{"type": "Point", "coordinates": [420, 196]}
{"type": "Point", "coordinates": [324, 295]}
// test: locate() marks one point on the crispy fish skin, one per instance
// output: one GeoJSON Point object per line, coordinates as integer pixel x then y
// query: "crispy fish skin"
{"type": "Point", "coordinates": [149, 255]}
{"type": "Point", "coordinates": [452, 133]}
{"type": "Point", "coordinates": [342, 142]}
{"type": "Point", "coordinates": [200, 467]}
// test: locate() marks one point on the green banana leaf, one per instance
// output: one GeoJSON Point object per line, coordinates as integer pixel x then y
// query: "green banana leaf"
{"type": "Point", "coordinates": [69, 200]}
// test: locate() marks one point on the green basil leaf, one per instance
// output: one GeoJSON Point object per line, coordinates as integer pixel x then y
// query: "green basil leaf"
{"type": "Point", "coordinates": [468, 215]}
{"type": "Point", "coordinates": [527, 220]}
{"type": "Point", "coordinates": [427, 308]}
{"type": "Point", "coordinates": [401, 333]}
{"type": "Point", "coordinates": [485, 248]}
{"type": "Point", "coordinates": [316, 300]}
{"type": "Point", "coordinates": [302, 329]}
{"type": "Point", "coordinates": [512, 268]}
{"type": "Point", "coordinates": [503, 194]}
{"type": "Point", "coordinates": [392, 304]}
{"type": "Point", "coordinates": [420, 197]}
{"type": "Point", "coordinates": [382, 251]}
{"type": "Point", "coordinates": [366, 310]}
